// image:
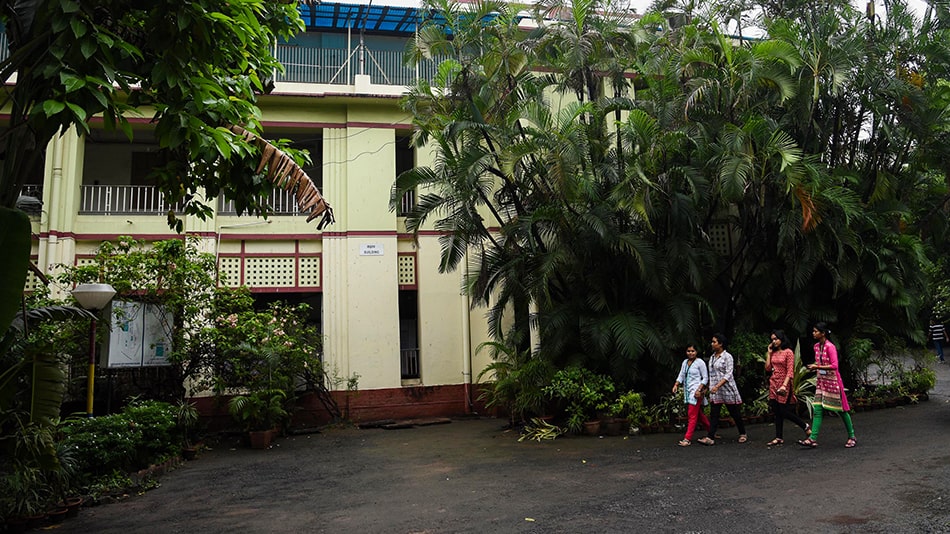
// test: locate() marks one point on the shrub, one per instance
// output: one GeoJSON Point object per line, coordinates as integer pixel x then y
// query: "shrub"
{"type": "Point", "coordinates": [583, 391]}
{"type": "Point", "coordinates": [144, 433]}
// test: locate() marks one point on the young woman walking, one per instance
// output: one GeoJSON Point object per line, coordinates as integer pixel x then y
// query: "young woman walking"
{"type": "Point", "coordinates": [723, 390]}
{"type": "Point", "coordinates": [829, 389]}
{"type": "Point", "coordinates": [780, 361]}
{"type": "Point", "coordinates": [693, 378]}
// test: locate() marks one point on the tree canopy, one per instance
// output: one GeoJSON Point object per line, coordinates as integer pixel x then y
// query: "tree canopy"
{"type": "Point", "coordinates": [647, 182]}
{"type": "Point", "coordinates": [194, 69]}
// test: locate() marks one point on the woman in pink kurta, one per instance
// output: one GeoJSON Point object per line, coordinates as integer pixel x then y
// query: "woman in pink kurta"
{"type": "Point", "coordinates": [829, 389]}
{"type": "Point", "coordinates": [780, 361]}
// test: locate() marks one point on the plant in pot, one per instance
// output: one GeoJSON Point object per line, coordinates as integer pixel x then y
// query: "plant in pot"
{"type": "Point", "coordinates": [669, 410]}
{"type": "Point", "coordinates": [582, 392]}
{"type": "Point", "coordinates": [627, 406]}
{"type": "Point", "coordinates": [517, 380]}
{"type": "Point", "coordinates": [259, 412]}
{"type": "Point", "coordinates": [186, 419]}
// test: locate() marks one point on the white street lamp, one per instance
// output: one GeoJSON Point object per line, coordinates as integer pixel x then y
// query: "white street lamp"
{"type": "Point", "coordinates": [92, 297]}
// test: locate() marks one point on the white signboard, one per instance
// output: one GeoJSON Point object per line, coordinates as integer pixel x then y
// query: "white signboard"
{"type": "Point", "coordinates": [138, 336]}
{"type": "Point", "coordinates": [371, 249]}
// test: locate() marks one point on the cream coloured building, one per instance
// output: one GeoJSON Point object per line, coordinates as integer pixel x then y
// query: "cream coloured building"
{"type": "Point", "coordinates": [385, 311]}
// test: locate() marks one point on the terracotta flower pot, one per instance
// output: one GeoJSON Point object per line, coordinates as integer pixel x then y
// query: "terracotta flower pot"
{"type": "Point", "coordinates": [592, 428]}
{"type": "Point", "coordinates": [260, 439]}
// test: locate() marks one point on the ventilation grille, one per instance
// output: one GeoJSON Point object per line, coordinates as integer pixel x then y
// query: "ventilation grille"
{"type": "Point", "coordinates": [407, 270]}
{"type": "Point", "coordinates": [310, 271]}
{"type": "Point", "coordinates": [720, 238]}
{"type": "Point", "coordinates": [229, 272]}
{"type": "Point", "coordinates": [269, 272]}
{"type": "Point", "coordinates": [31, 282]}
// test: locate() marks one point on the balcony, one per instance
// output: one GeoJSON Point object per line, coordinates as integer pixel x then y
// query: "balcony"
{"type": "Point", "coordinates": [340, 66]}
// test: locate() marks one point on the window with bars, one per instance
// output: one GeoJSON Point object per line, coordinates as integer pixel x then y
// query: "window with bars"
{"type": "Point", "coordinates": [405, 160]}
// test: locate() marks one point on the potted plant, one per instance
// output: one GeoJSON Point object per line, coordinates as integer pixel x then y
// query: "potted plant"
{"type": "Point", "coordinates": [583, 392]}
{"type": "Point", "coordinates": [259, 412]}
{"type": "Point", "coordinates": [626, 406]}
{"type": "Point", "coordinates": [186, 417]}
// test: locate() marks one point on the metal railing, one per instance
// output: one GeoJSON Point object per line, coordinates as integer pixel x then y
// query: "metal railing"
{"type": "Point", "coordinates": [305, 64]}
{"type": "Point", "coordinates": [124, 200]}
{"type": "Point", "coordinates": [409, 363]}
{"type": "Point", "coordinates": [407, 203]}
{"type": "Point", "coordinates": [32, 190]}
{"type": "Point", "coordinates": [281, 202]}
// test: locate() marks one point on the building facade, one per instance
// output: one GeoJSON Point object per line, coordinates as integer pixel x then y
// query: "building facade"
{"type": "Point", "coordinates": [386, 313]}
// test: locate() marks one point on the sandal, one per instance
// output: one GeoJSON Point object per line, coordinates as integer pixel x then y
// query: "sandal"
{"type": "Point", "coordinates": [851, 443]}
{"type": "Point", "coordinates": [706, 441]}
{"type": "Point", "coordinates": [743, 438]}
{"type": "Point", "coordinates": [684, 443]}
{"type": "Point", "coordinates": [774, 442]}
{"type": "Point", "coordinates": [808, 442]}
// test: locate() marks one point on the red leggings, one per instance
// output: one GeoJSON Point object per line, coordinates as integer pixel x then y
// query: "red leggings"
{"type": "Point", "coordinates": [694, 412]}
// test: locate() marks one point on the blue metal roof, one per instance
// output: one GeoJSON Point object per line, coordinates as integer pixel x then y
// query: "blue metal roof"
{"type": "Point", "coordinates": [378, 19]}
{"type": "Point", "coordinates": [393, 20]}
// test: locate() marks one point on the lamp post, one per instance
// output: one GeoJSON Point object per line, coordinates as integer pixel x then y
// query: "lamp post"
{"type": "Point", "coordinates": [92, 297]}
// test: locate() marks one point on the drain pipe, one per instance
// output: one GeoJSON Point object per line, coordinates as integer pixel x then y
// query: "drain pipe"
{"type": "Point", "coordinates": [467, 346]}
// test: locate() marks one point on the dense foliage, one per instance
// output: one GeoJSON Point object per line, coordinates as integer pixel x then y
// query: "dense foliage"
{"type": "Point", "coordinates": [646, 182]}
{"type": "Point", "coordinates": [142, 434]}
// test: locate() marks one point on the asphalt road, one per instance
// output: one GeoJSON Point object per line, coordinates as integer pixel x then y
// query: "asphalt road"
{"type": "Point", "coordinates": [473, 476]}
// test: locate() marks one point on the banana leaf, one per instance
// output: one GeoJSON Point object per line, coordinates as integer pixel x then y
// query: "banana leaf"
{"type": "Point", "coordinates": [15, 242]}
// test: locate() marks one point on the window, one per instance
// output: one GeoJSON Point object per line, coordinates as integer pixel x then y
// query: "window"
{"type": "Point", "coordinates": [409, 334]}
{"type": "Point", "coordinates": [405, 161]}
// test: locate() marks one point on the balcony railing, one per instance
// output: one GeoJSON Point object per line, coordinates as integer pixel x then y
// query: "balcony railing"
{"type": "Point", "coordinates": [281, 203]}
{"type": "Point", "coordinates": [340, 66]}
{"type": "Point", "coordinates": [306, 64]}
{"type": "Point", "coordinates": [124, 200]}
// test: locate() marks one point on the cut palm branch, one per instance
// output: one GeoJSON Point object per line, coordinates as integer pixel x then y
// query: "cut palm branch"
{"type": "Point", "coordinates": [283, 172]}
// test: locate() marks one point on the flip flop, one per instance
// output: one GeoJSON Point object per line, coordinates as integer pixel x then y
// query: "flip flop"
{"type": "Point", "coordinates": [851, 443]}
{"type": "Point", "coordinates": [743, 438]}
{"type": "Point", "coordinates": [684, 443]}
{"type": "Point", "coordinates": [706, 441]}
{"type": "Point", "coordinates": [774, 442]}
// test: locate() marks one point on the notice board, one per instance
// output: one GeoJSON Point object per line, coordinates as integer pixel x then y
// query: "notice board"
{"type": "Point", "coordinates": [140, 335]}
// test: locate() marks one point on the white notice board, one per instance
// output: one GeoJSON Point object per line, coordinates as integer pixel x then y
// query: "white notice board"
{"type": "Point", "coordinates": [138, 336]}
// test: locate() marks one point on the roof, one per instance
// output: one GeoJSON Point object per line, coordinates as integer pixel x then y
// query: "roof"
{"type": "Point", "coordinates": [374, 18]}
{"type": "Point", "coordinates": [384, 19]}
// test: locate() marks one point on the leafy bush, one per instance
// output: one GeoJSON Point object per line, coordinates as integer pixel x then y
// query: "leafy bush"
{"type": "Point", "coordinates": [583, 391]}
{"type": "Point", "coordinates": [144, 433]}
{"type": "Point", "coordinates": [519, 381]}
{"type": "Point", "coordinates": [257, 350]}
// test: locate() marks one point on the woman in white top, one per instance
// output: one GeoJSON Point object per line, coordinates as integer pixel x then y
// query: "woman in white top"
{"type": "Point", "coordinates": [693, 378]}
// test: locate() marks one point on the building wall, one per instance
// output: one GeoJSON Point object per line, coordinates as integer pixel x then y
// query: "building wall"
{"type": "Point", "coordinates": [360, 288]}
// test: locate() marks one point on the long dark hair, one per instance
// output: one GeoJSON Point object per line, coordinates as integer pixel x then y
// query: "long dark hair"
{"type": "Point", "coordinates": [783, 341]}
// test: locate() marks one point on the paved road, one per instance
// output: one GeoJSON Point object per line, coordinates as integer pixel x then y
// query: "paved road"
{"type": "Point", "coordinates": [472, 476]}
